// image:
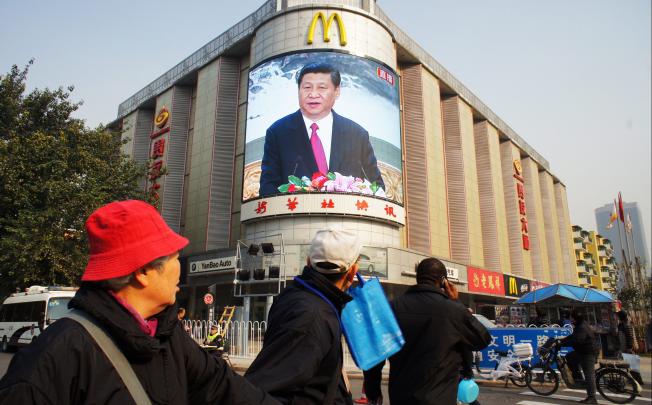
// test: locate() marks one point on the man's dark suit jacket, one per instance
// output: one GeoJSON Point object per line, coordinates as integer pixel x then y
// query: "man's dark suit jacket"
{"type": "Point", "coordinates": [288, 152]}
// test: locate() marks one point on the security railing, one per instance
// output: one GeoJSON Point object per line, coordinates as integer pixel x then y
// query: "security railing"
{"type": "Point", "coordinates": [242, 340]}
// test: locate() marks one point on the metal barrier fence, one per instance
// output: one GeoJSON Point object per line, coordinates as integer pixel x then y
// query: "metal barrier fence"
{"type": "Point", "coordinates": [244, 340]}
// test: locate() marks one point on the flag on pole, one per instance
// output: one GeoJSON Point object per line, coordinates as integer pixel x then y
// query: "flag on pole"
{"type": "Point", "coordinates": [613, 217]}
{"type": "Point", "coordinates": [628, 224]}
{"type": "Point", "coordinates": [621, 211]}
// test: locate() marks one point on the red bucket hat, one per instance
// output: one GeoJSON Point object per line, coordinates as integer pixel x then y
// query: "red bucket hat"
{"type": "Point", "coordinates": [124, 236]}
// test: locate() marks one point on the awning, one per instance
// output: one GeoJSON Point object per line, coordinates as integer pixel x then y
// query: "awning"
{"type": "Point", "coordinates": [566, 292]}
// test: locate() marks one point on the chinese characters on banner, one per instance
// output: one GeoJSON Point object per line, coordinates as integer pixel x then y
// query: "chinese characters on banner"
{"type": "Point", "coordinates": [157, 153]}
{"type": "Point", "coordinates": [485, 281]}
{"type": "Point", "coordinates": [520, 192]}
{"type": "Point", "coordinates": [502, 339]}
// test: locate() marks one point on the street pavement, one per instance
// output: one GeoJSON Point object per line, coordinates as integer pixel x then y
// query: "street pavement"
{"type": "Point", "coordinates": [491, 393]}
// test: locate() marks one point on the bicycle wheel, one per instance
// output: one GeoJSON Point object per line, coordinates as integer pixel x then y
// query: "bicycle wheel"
{"type": "Point", "coordinates": [524, 369]}
{"type": "Point", "coordinates": [616, 385]}
{"type": "Point", "coordinates": [542, 380]}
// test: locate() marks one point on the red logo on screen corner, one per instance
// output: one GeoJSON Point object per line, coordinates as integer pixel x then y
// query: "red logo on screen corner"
{"type": "Point", "coordinates": [385, 75]}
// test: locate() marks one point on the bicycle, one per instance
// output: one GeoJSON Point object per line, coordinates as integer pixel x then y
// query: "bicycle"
{"type": "Point", "coordinates": [613, 378]}
{"type": "Point", "coordinates": [514, 366]}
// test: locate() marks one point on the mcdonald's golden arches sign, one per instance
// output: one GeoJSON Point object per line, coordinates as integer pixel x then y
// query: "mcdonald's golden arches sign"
{"type": "Point", "coordinates": [326, 27]}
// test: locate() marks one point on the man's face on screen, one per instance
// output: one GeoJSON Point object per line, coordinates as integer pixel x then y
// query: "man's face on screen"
{"type": "Point", "coordinates": [317, 95]}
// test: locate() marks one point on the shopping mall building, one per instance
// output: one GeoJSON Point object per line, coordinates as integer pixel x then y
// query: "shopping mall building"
{"type": "Point", "coordinates": [456, 182]}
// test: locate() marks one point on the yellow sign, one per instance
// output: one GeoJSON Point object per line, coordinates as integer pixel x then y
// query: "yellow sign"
{"type": "Point", "coordinates": [517, 167]}
{"type": "Point", "coordinates": [162, 117]}
{"type": "Point", "coordinates": [513, 288]}
{"type": "Point", "coordinates": [326, 26]}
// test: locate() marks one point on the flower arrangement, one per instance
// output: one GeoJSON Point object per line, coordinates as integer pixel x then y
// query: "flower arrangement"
{"type": "Point", "coordinates": [331, 182]}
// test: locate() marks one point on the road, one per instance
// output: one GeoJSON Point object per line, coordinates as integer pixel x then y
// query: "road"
{"type": "Point", "coordinates": [491, 394]}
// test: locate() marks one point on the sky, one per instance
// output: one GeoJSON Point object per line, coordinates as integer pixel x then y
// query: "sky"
{"type": "Point", "coordinates": [572, 78]}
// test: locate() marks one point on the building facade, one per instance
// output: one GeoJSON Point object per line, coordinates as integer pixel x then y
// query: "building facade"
{"type": "Point", "coordinates": [636, 240]}
{"type": "Point", "coordinates": [457, 182]}
{"type": "Point", "coordinates": [594, 260]}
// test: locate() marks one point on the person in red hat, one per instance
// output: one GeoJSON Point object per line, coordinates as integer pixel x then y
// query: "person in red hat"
{"type": "Point", "coordinates": [128, 290]}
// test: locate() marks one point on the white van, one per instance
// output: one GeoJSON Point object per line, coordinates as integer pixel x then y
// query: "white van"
{"type": "Point", "coordinates": [24, 315]}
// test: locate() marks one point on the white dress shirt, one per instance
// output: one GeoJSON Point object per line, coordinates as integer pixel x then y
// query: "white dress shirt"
{"type": "Point", "coordinates": [325, 133]}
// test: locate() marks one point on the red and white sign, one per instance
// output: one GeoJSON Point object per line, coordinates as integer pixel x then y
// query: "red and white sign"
{"type": "Point", "coordinates": [208, 298]}
{"type": "Point", "coordinates": [485, 281]}
{"type": "Point", "coordinates": [323, 203]}
{"type": "Point", "coordinates": [158, 145]}
{"type": "Point", "coordinates": [522, 210]}
{"type": "Point", "coordinates": [535, 285]}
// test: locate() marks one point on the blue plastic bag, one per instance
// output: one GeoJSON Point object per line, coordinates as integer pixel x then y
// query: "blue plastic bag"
{"type": "Point", "coordinates": [467, 391]}
{"type": "Point", "coordinates": [369, 325]}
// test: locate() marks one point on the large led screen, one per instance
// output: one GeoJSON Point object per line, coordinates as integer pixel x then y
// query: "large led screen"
{"type": "Point", "coordinates": [336, 130]}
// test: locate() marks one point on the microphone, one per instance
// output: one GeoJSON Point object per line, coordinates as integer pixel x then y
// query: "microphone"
{"type": "Point", "coordinates": [298, 160]}
{"type": "Point", "coordinates": [364, 173]}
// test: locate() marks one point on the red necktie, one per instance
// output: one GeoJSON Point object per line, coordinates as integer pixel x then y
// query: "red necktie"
{"type": "Point", "coordinates": [318, 150]}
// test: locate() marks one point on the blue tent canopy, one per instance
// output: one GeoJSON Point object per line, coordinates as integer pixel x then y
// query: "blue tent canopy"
{"type": "Point", "coordinates": [565, 292]}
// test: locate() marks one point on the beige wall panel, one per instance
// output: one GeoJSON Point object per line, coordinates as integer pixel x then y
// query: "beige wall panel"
{"type": "Point", "coordinates": [462, 183]}
{"type": "Point", "coordinates": [202, 141]}
{"type": "Point", "coordinates": [538, 245]}
{"type": "Point", "coordinates": [471, 186]}
{"type": "Point", "coordinates": [492, 205]}
{"type": "Point", "coordinates": [236, 204]}
{"type": "Point", "coordinates": [565, 234]}
{"type": "Point", "coordinates": [457, 204]}
{"type": "Point", "coordinates": [128, 131]}
{"type": "Point", "coordinates": [436, 166]}
{"type": "Point", "coordinates": [415, 168]}
{"type": "Point", "coordinates": [289, 33]}
{"type": "Point", "coordinates": [550, 215]}
{"type": "Point", "coordinates": [519, 258]}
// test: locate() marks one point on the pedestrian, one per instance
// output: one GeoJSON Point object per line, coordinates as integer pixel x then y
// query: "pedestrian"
{"type": "Point", "coordinates": [301, 358]}
{"type": "Point", "coordinates": [181, 314]}
{"type": "Point", "coordinates": [584, 354]}
{"type": "Point", "coordinates": [466, 372]}
{"type": "Point", "coordinates": [128, 290]}
{"type": "Point", "coordinates": [438, 330]}
{"type": "Point", "coordinates": [626, 334]}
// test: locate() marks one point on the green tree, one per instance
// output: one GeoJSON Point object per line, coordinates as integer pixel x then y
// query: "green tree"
{"type": "Point", "coordinates": [54, 171]}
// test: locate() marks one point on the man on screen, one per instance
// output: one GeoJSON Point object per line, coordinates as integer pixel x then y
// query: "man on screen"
{"type": "Point", "coordinates": [315, 138]}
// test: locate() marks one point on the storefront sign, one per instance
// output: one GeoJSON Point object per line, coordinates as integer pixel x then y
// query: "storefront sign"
{"type": "Point", "coordinates": [485, 281]}
{"type": "Point", "coordinates": [535, 285]}
{"type": "Point", "coordinates": [326, 27]}
{"type": "Point", "coordinates": [515, 286]}
{"type": "Point", "coordinates": [218, 264]}
{"type": "Point", "coordinates": [157, 154]}
{"type": "Point", "coordinates": [452, 273]}
{"type": "Point", "coordinates": [522, 210]}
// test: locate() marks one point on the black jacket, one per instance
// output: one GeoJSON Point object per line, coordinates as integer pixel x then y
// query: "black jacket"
{"type": "Point", "coordinates": [582, 340]}
{"type": "Point", "coordinates": [301, 358]}
{"type": "Point", "coordinates": [287, 151]}
{"type": "Point", "coordinates": [437, 331]}
{"type": "Point", "coordinates": [65, 366]}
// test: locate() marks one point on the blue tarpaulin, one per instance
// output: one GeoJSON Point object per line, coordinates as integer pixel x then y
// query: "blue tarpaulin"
{"type": "Point", "coordinates": [563, 292]}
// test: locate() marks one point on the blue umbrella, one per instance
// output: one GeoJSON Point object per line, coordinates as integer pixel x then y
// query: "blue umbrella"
{"type": "Point", "coordinates": [566, 291]}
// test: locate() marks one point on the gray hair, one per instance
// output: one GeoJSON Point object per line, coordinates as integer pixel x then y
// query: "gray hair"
{"type": "Point", "coordinates": [118, 283]}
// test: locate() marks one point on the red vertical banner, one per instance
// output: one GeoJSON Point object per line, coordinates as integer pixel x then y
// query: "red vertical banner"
{"type": "Point", "coordinates": [485, 281]}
